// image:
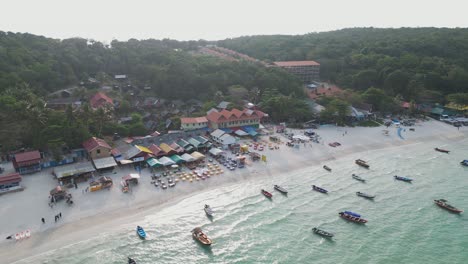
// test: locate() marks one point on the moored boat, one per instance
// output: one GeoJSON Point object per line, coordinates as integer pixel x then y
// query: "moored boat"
{"type": "Point", "coordinates": [362, 163]}
{"type": "Point", "coordinates": [352, 218]}
{"type": "Point", "coordinates": [131, 261]}
{"type": "Point", "coordinates": [444, 204]}
{"type": "Point", "coordinates": [442, 150]}
{"type": "Point", "coordinates": [356, 177]}
{"type": "Point", "coordinates": [464, 163]}
{"type": "Point", "coordinates": [141, 232]}
{"type": "Point", "coordinates": [322, 232]}
{"type": "Point", "coordinates": [401, 178]}
{"type": "Point", "coordinates": [208, 210]}
{"type": "Point", "coordinates": [280, 189]}
{"type": "Point", "coordinates": [318, 189]}
{"type": "Point", "coordinates": [365, 195]}
{"type": "Point", "coordinates": [267, 194]}
{"type": "Point", "coordinates": [198, 234]}
{"type": "Point", "coordinates": [326, 167]}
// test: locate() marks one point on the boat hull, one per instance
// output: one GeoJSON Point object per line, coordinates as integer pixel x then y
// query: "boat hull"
{"type": "Point", "coordinates": [353, 219]}
{"type": "Point", "coordinates": [448, 207]}
{"type": "Point", "coordinates": [280, 189]}
{"type": "Point", "coordinates": [318, 189]}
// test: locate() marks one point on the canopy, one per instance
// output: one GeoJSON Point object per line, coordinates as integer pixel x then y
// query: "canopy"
{"type": "Point", "coordinates": [124, 161]}
{"type": "Point", "coordinates": [187, 157]}
{"type": "Point", "coordinates": [167, 149]}
{"type": "Point", "coordinates": [73, 169]}
{"type": "Point", "coordinates": [250, 130]}
{"type": "Point", "coordinates": [131, 176]}
{"type": "Point", "coordinates": [216, 151]}
{"type": "Point", "coordinates": [153, 162]}
{"type": "Point", "coordinates": [241, 133]}
{"type": "Point", "coordinates": [177, 159]}
{"type": "Point", "coordinates": [104, 163]}
{"type": "Point", "coordinates": [301, 137]}
{"type": "Point", "coordinates": [195, 142]}
{"type": "Point", "coordinates": [165, 161]}
{"type": "Point", "coordinates": [197, 155]}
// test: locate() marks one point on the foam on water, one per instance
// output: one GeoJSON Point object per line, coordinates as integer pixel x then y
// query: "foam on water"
{"type": "Point", "coordinates": [404, 224]}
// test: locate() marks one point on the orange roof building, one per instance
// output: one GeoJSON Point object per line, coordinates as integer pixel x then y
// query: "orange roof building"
{"type": "Point", "coordinates": [235, 118]}
{"type": "Point", "coordinates": [307, 71]}
{"type": "Point", "coordinates": [100, 100]}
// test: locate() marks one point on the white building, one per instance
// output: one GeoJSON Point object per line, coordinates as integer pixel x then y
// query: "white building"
{"type": "Point", "coordinates": [193, 123]}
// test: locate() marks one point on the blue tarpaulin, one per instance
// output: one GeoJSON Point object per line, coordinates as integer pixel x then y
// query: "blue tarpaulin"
{"type": "Point", "coordinates": [250, 130]}
{"type": "Point", "coordinates": [227, 130]}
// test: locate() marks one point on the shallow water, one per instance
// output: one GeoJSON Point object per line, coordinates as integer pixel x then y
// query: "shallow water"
{"type": "Point", "coordinates": [404, 224]}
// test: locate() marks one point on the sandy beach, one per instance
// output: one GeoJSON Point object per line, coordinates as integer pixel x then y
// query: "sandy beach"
{"type": "Point", "coordinates": [104, 211]}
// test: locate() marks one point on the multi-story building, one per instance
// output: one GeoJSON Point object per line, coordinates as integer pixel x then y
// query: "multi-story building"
{"type": "Point", "coordinates": [235, 118]}
{"type": "Point", "coordinates": [307, 71]}
{"type": "Point", "coordinates": [193, 123]}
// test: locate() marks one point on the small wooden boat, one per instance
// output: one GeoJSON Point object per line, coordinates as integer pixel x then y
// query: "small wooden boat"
{"type": "Point", "coordinates": [198, 234]}
{"type": "Point", "coordinates": [356, 177]}
{"type": "Point", "coordinates": [208, 210]}
{"type": "Point", "coordinates": [322, 232]}
{"type": "Point", "coordinates": [141, 232]}
{"type": "Point", "coordinates": [318, 189]}
{"type": "Point", "coordinates": [131, 261]}
{"type": "Point", "coordinates": [442, 150]}
{"type": "Point", "coordinates": [352, 218]}
{"type": "Point", "coordinates": [401, 178]}
{"type": "Point", "coordinates": [444, 204]}
{"type": "Point", "coordinates": [326, 167]}
{"type": "Point", "coordinates": [362, 163]}
{"type": "Point", "coordinates": [267, 194]}
{"type": "Point", "coordinates": [280, 189]}
{"type": "Point", "coordinates": [365, 195]}
{"type": "Point", "coordinates": [464, 163]}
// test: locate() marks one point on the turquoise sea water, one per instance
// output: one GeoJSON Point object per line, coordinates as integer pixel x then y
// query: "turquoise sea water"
{"type": "Point", "coordinates": [404, 224]}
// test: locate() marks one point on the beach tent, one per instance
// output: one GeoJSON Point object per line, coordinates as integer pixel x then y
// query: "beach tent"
{"type": "Point", "coordinates": [197, 155]}
{"type": "Point", "coordinates": [227, 139]}
{"type": "Point", "coordinates": [165, 161]}
{"type": "Point", "coordinates": [187, 157]}
{"type": "Point", "coordinates": [177, 159]}
{"type": "Point", "coordinates": [152, 162]}
{"type": "Point", "coordinates": [195, 143]}
{"type": "Point", "coordinates": [187, 146]}
{"type": "Point", "coordinates": [216, 151]}
{"type": "Point", "coordinates": [104, 163]}
{"type": "Point", "coordinates": [250, 130]}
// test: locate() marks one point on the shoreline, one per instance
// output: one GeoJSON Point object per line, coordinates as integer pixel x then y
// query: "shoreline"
{"type": "Point", "coordinates": [78, 230]}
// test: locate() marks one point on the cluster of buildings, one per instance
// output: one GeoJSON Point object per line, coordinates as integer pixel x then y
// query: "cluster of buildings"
{"type": "Point", "coordinates": [307, 71]}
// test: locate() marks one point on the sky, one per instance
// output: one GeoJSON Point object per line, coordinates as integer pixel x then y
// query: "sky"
{"type": "Point", "coordinates": [105, 20]}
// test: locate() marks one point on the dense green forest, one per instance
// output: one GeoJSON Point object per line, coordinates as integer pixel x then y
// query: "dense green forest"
{"type": "Point", "coordinates": [31, 67]}
{"type": "Point", "coordinates": [421, 64]}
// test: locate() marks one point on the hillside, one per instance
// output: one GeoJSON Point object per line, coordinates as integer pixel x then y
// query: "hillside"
{"type": "Point", "coordinates": [416, 63]}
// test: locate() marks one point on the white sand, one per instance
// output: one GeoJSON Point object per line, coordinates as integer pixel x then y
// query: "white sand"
{"type": "Point", "coordinates": [107, 210]}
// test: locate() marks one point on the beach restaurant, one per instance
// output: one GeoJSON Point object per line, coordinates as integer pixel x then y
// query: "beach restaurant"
{"type": "Point", "coordinates": [104, 164]}
{"type": "Point", "coordinates": [27, 162]}
{"type": "Point", "coordinates": [74, 173]}
{"type": "Point", "coordinates": [10, 183]}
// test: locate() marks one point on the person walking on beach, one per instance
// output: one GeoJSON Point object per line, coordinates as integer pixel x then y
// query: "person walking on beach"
{"type": "Point", "coordinates": [56, 216]}
{"type": "Point", "coordinates": [60, 215]}
{"type": "Point", "coordinates": [43, 220]}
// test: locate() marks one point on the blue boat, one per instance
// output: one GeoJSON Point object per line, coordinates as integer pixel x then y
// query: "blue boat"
{"type": "Point", "coordinates": [141, 232]}
{"type": "Point", "coordinates": [401, 178]}
{"type": "Point", "coordinates": [352, 213]}
{"type": "Point", "coordinates": [464, 163]}
{"type": "Point", "coordinates": [318, 189]}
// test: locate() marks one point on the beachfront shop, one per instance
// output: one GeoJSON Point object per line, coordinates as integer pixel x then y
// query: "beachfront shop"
{"type": "Point", "coordinates": [10, 183]}
{"type": "Point", "coordinates": [74, 173]}
{"type": "Point", "coordinates": [27, 162]}
{"type": "Point", "coordinates": [105, 164]}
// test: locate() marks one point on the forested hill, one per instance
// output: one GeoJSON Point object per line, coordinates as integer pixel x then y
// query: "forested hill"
{"type": "Point", "coordinates": [405, 61]}
{"type": "Point", "coordinates": [168, 66]}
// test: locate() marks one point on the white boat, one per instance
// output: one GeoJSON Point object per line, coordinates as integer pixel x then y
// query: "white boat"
{"type": "Point", "coordinates": [208, 210]}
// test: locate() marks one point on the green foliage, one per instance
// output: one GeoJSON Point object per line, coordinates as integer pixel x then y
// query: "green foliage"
{"type": "Point", "coordinates": [286, 108]}
{"type": "Point", "coordinates": [359, 58]}
{"type": "Point", "coordinates": [458, 98]}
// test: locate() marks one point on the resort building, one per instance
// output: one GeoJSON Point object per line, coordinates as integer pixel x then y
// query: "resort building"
{"type": "Point", "coordinates": [307, 71]}
{"type": "Point", "coordinates": [235, 118]}
{"type": "Point", "coordinates": [27, 162]}
{"type": "Point", "coordinates": [97, 148]}
{"type": "Point", "coordinates": [10, 183]}
{"type": "Point", "coordinates": [193, 123]}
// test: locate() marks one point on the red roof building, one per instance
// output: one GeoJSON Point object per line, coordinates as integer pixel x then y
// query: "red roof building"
{"type": "Point", "coordinates": [27, 162]}
{"type": "Point", "coordinates": [235, 118]}
{"type": "Point", "coordinates": [157, 151]}
{"type": "Point", "coordinates": [307, 71]}
{"type": "Point", "coordinates": [97, 148]}
{"type": "Point", "coordinates": [10, 182]}
{"type": "Point", "coordinates": [100, 100]}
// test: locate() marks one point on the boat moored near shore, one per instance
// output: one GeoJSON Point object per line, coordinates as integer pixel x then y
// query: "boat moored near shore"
{"type": "Point", "coordinates": [401, 178]}
{"type": "Point", "coordinates": [365, 195]}
{"type": "Point", "coordinates": [464, 163]}
{"type": "Point", "coordinates": [362, 163]}
{"type": "Point", "coordinates": [318, 189]}
{"type": "Point", "coordinates": [323, 233]}
{"type": "Point", "coordinates": [327, 168]}
{"type": "Point", "coordinates": [353, 217]}
{"type": "Point", "coordinates": [198, 234]}
{"type": "Point", "coordinates": [357, 177]}
{"type": "Point", "coordinates": [280, 189]}
{"type": "Point", "coordinates": [442, 150]}
{"type": "Point", "coordinates": [267, 194]}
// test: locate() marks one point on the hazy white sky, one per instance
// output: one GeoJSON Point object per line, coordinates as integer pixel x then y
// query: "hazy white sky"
{"type": "Point", "coordinates": [105, 20]}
